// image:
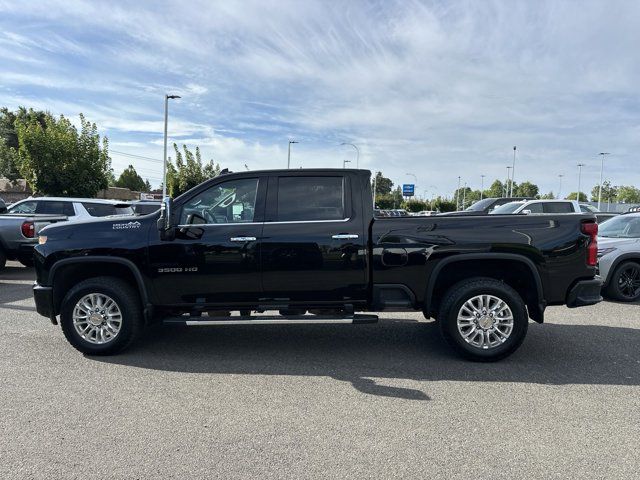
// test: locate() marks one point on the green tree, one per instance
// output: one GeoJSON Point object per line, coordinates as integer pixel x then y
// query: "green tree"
{"type": "Point", "coordinates": [628, 194]}
{"type": "Point", "coordinates": [547, 196]}
{"type": "Point", "coordinates": [188, 171]}
{"type": "Point", "coordinates": [130, 179]}
{"type": "Point", "coordinates": [414, 205]}
{"type": "Point", "coordinates": [9, 144]}
{"type": "Point", "coordinates": [147, 186]}
{"type": "Point", "coordinates": [383, 184]}
{"type": "Point", "coordinates": [526, 189]}
{"type": "Point", "coordinates": [608, 192]}
{"type": "Point", "coordinates": [443, 205]}
{"type": "Point", "coordinates": [57, 159]}
{"type": "Point", "coordinates": [572, 196]}
{"type": "Point", "coordinates": [496, 190]}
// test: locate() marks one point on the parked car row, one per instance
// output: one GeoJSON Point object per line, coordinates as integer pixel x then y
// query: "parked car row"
{"type": "Point", "coordinates": [21, 221]}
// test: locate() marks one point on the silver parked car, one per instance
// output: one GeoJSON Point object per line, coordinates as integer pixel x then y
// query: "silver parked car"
{"type": "Point", "coordinates": [619, 257]}
{"type": "Point", "coordinates": [72, 208]}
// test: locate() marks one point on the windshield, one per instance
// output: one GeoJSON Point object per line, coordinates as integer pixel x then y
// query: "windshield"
{"type": "Point", "coordinates": [480, 205]}
{"type": "Point", "coordinates": [506, 208]}
{"type": "Point", "coordinates": [620, 227]}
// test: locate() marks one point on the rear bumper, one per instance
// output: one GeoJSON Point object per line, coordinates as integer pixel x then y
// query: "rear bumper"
{"type": "Point", "coordinates": [43, 297]}
{"type": "Point", "coordinates": [585, 292]}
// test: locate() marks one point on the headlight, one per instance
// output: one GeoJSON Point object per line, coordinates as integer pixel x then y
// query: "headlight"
{"type": "Point", "coordinates": [42, 239]}
{"type": "Point", "coordinates": [605, 251]}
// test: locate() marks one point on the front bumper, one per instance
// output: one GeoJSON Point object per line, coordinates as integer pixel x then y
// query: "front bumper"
{"type": "Point", "coordinates": [585, 292]}
{"type": "Point", "coordinates": [43, 297]}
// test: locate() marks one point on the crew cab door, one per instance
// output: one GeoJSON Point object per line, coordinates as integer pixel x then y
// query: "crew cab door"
{"type": "Point", "coordinates": [214, 258]}
{"type": "Point", "coordinates": [313, 241]}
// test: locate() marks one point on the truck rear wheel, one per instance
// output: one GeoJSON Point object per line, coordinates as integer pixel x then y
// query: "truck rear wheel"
{"type": "Point", "coordinates": [483, 319]}
{"type": "Point", "coordinates": [101, 316]}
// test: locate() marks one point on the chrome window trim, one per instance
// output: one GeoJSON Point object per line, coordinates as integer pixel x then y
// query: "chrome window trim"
{"type": "Point", "coordinates": [196, 225]}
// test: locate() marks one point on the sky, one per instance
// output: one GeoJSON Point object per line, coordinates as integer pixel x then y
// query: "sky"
{"type": "Point", "coordinates": [435, 89]}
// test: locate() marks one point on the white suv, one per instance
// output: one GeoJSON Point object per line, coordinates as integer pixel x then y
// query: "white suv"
{"type": "Point", "coordinates": [538, 206]}
{"type": "Point", "coordinates": [73, 208]}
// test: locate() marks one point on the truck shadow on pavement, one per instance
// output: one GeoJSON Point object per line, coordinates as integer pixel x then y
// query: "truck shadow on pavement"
{"type": "Point", "coordinates": [372, 357]}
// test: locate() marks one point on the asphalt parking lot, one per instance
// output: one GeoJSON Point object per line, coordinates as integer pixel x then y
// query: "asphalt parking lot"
{"type": "Point", "coordinates": [367, 401]}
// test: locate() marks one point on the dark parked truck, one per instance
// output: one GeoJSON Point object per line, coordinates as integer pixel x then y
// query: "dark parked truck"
{"type": "Point", "coordinates": [305, 243]}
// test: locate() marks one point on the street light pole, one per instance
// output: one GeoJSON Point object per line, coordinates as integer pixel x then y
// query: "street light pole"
{"type": "Point", "coordinates": [602, 155]}
{"type": "Point", "coordinates": [458, 195]}
{"type": "Point", "coordinates": [357, 153]}
{"type": "Point", "coordinates": [513, 170]}
{"type": "Point", "coordinates": [482, 186]}
{"type": "Point", "coordinates": [289, 154]}
{"type": "Point", "coordinates": [164, 162]}
{"type": "Point", "coordinates": [464, 195]}
{"type": "Point", "coordinates": [506, 185]}
{"type": "Point", "coordinates": [580, 165]}
{"type": "Point", "coordinates": [560, 187]}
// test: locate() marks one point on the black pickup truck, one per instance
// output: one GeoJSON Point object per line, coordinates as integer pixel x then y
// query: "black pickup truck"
{"type": "Point", "coordinates": [305, 243]}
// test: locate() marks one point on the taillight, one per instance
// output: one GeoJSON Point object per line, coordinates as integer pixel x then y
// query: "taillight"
{"type": "Point", "coordinates": [591, 229]}
{"type": "Point", "coordinates": [28, 229]}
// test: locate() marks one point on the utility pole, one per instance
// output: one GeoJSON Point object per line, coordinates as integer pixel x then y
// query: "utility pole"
{"type": "Point", "coordinates": [580, 165]}
{"type": "Point", "coordinates": [513, 170]}
{"type": "Point", "coordinates": [164, 162]}
{"type": "Point", "coordinates": [602, 155]}
{"type": "Point", "coordinates": [560, 187]}
{"type": "Point", "coordinates": [289, 154]}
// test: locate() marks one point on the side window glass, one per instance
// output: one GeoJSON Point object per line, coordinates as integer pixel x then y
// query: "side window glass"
{"type": "Point", "coordinates": [535, 207]}
{"type": "Point", "coordinates": [24, 207]}
{"type": "Point", "coordinates": [52, 207]}
{"type": "Point", "coordinates": [558, 207]}
{"type": "Point", "coordinates": [228, 202]}
{"type": "Point", "coordinates": [310, 198]}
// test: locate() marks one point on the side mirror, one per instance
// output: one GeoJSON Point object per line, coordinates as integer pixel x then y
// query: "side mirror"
{"type": "Point", "coordinates": [165, 223]}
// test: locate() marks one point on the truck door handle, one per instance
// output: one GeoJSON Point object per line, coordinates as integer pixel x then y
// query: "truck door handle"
{"type": "Point", "coordinates": [344, 236]}
{"type": "Point", "coordinates": [243, 239]}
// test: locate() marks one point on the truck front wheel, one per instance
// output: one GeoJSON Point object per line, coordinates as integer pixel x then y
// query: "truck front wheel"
{"type": "Point", "coordinates": [483, 319]}
{"type": "Point", "coordinates": [101, 316]}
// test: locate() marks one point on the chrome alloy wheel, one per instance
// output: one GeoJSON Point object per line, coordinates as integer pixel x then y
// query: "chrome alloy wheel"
{"type": "Point", "coordinates": [97, 318]}
{"type": "Point", "coordinates": [485, 321]}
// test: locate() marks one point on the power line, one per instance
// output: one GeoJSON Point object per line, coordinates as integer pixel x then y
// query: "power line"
{"type": "Point", "coordinates": [136, 156]}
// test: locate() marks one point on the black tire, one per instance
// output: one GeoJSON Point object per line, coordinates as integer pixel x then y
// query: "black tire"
{"type": "Point", "coordinates": [619, 287]}
{"type": "Point", "coordinates": [452, 304]}
{"type": "Point", "coordinates": [127, 300]}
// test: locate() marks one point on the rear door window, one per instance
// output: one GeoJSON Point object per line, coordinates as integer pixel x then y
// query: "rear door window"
{"type": "Point", "coordinates": [55, 207]}
{"type": "Point", "coordinates": [558, 207]}
{"type": "Point", "coordinates": [106, 209]}
{"type": "Point", "coordinates": [311, 198]}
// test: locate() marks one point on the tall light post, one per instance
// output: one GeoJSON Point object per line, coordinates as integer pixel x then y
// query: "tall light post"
{"type": "Point", "coordinates": [344, 163]}
{"type": "Point", "coordinates": [580, 165]}
{"type": "Point", "coordinates": [289, 154]}
{"type": "Point", "coordinates": [602, 155]}
{"type": "Point", "coordinates": [482, 185]}
{"type": "Point", "coordinates": [464, 195]}
{"type": "Point", "coordinates": [560, 186]}
{"type": "Point", "coordinates": [506, 185]}
{"type": "Point", "coordinates": [357, 153]}
{"type": "Point", "coordinates": [513, 170]}
{"type": "Point", "coordinates": [458, 195]}
{"type": "Point", "coordinates": [164, 162]}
